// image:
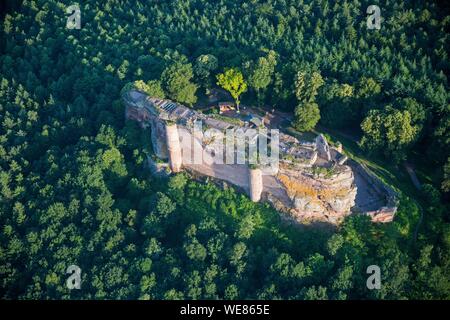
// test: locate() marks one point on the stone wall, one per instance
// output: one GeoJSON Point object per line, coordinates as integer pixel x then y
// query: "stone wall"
{"type": "Point", "coordinates": [290, 188]}
{"type": "Point", "coordinates": [158, 136]}
{"type": "Point", "coordinates": [173, 147]}
{"type": "Point", "coordinates": [139, 115]}
{"type": "Point", "coordinates": [327, 199]}
{"type": "Point", "coordinates": [322, 147]}
{"type": "Point", "coordinates": [387, 212]}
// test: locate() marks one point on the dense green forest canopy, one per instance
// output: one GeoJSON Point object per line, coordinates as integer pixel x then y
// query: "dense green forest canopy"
{"type": "Point", "coordinates": [73, 184]}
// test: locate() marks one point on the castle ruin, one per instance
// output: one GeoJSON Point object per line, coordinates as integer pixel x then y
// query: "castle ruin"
{"type": "Point", "coordinates": [311, 180]}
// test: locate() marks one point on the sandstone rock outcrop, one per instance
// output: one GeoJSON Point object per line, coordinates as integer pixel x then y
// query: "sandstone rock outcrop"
{"type": "Point", "coordinates": [158, 136]}
{"type": "Point", "coordinates": [318, 198]}
{"type": "Point", "coordinates": [311, 180]}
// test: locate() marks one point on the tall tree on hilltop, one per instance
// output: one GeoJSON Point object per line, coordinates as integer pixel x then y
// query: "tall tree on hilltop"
{"type": "Point", "coordinates": [176, 79]}
{"type": "Point", "coordinates": [389, 131]}
{"type": "Point", "coordinates": [204, 65]}
{"type": "Point", "coordinates": [306, 116]}
{"type": "Point", "coordinates": [307, 113]}
{"type": "Point", "coordinates": [261, 74]}
{"type": "Point", "coordinates": [233, 81]}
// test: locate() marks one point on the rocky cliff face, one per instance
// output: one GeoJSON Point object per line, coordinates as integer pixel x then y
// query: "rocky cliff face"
{"type": "Point", "coordinates": [320, 197]}
{"type": "Point", "coordinates": [159, 138]}
{"type": "Point", "coordinates": [327, 194]}
{"type": "Point", "coordinates": [311, 183]}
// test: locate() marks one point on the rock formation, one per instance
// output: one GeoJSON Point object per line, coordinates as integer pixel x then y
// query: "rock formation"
{"type": "Point", "coordinates": [309, 180]}
{"type": "Point", "coordinates": [173, 147]}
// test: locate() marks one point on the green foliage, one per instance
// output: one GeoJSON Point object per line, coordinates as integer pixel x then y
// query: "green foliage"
{"type": "Point", "coordinates": [338, 106]}
{"type": "Point", "coordinates": [431, 194]}
{"type": "Point", "coordinates": [176, 79]}
{"type": "Point", "coordinates": [153, 88]}
{"type": "Point", "coordinates": [164, 205]}
{"type": "Point", "coordinates": [323, 171]}
{"type": "Point", "coordinates": [73, 184]}
{"type": "Point", "coordinates": [306, 116]}
{"type": "Point", "coordinates": [307, 113]}
{"type": "Point", "coordinates": [122, 71]}
{"type": "Point", "coordinates": [389, 131]}
{"type": "Point", "coordinates": [261, 73]}
{"type": "Point", "coordinates": [232, 80]}
{"type": "Point", "coordinates": [446, 180]}
{"type": "Point", "coordinates": [235, 121]}
{"type": "Point", "coordinates": [431, 282]}
{"type": "Point", "coordinates": [204, 66]}
{"type": "Point", "coordinates": [307, 86]}
{"type": "Point", "coordinates": [407, 217]}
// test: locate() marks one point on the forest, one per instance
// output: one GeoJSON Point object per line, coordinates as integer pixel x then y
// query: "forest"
{"type": "Point", "coordinates": [74, 188]}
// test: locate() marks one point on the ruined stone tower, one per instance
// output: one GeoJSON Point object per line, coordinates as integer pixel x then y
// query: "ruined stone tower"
{"type": "Point", "coordinates": [322, 147]}
{"type": "Point", "coordinates": [173, 147]}
{"type": "Point", "coordinates": [255, 184]}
